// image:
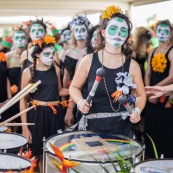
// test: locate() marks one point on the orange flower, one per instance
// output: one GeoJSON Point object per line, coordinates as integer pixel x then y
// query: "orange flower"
{"type": "Point", "coordinates": [28, 154]}
{"type": "Point", "coordinates": [39, 42]}
{"type": "Point", "coordinates": [33, 165]}
{"type": "Point", "coordinates": [57, 151]}
{"type": "Point", "coordinates": [116, 95]}
{"type": "Point", "coordinates": [14, 89]}
{"type": "Point", "coordinates": [162, 99]}
{"type": "Point", "coordinates": [49, 39]}
{"type": "Point", "coordinates": [2, 57]}
{"type": "Point", "coordinates": [69, 164]}
{"type": "Point", "coordinates": [110, 11]}
{"type": "Point", "coordinates": [159, 63]}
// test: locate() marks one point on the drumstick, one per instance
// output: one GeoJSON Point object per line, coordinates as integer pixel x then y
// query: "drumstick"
{"type": "Point", "coordinates": [7, 105]}
{"type": "Point", "coordinates": [17, 115]}
{"type": "Point", "coordinates": [19, 124]}
{"type": "Point", "coordinates": [19, 93]}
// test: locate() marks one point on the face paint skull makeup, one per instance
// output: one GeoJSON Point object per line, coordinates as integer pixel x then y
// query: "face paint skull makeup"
{"type": "Point", "coordinates": [65, 36]}
{"type": "Point", "coordinates": [80, 32]}
{"type": "Point", "coordinates": [94, 40]}
{"type": "Point", "coordinates": [37, 31]}
{"type": "Point", "coordinates": [163, 32]}
{"type": "Point", "coordinates": [20, 39]}
{"type": "Point", "coordinates": [47, 55]}
{"type": "Point", "coordinates": [116, 31]}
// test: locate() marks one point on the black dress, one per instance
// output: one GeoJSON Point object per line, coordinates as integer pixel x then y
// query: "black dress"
{"type": "Point", "coordinates": [159, 120]}
{"type": "Point", "coordinates": [101, 103]}
{"type": "Point", "coordinates": [46, 122]}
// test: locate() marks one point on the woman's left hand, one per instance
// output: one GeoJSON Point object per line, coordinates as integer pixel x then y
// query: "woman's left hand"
{"type": "Point", "coordinates": [135, 117]}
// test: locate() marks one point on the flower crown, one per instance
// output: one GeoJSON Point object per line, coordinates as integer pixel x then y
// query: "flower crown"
{"type": "Point", "coordinates": [47, 40]}
{"type": "Point", "coordinates": [106, 14]}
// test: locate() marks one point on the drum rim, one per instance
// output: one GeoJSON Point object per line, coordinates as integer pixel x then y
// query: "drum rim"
{"type": "Point", "coordinates": [10, 154]}
{"type": "Point", "coordinates": [83, 161]}
{"type": "Point", "coordinates": [15, 148]}
{"type": "Point", "coordinates": [136, 164]}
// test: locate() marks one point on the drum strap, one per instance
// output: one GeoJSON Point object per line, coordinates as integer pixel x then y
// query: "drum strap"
{"type": "Point", "coordinates": [83, 122]}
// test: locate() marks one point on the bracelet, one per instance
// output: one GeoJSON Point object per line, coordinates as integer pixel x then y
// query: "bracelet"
{"type": "Point", "coordinates": [137, 110]}
{"type": "Point", "coordinates": [78, 104]}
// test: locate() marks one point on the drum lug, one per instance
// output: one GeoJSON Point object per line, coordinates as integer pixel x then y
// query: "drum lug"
{"type": "Point", "coordinates": [162, 156]}
{"type": "Point", "coordinates": [143, 154]}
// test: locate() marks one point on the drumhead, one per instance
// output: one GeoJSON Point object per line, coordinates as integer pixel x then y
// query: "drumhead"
{"type": "Point", "coordinates": [126, 147]}
{"type": "Point", "coordinates": [11, 162]}
{"type": "Point", "coordinates": [3, 128]}
{"type": "Point", "coordinates": [12, 142]}
{"type": "Point", "coordinates": [155, 166]}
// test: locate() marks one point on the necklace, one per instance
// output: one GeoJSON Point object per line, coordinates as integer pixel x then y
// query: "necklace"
{"type": "Point", "coordinates": [112, 53]}
{"type": "Point", "coordinates": [107, 88]}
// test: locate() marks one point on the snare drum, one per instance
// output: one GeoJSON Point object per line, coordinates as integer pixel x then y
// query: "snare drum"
{"type": "Point", "coordinates": [88, 148]}
{"type": "Point", "coordinates": [155, 166]}
{"type": "Point", "coordinates": [12, 142]}
{"type": "Point", "coordinates": [11, 162]}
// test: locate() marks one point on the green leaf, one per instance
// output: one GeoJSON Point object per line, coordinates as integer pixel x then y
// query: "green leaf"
{"type": "Point", "coordinates": [154, 146]}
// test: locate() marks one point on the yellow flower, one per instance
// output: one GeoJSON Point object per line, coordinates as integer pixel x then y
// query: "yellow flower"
{"type": "Point", "coordinates": [159, 63]}
{"type": "Point", "coordinates": [110, 11]}
{"type": "Point", "coordinates": [49, 40]}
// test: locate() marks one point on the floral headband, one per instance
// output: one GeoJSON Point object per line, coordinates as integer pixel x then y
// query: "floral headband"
{"type": "Point", "coordinates": [79, 20]}
{"type": "Point", "coordinates": [106, 14]}
{"type": "Point", "coordinates": [47, 40]}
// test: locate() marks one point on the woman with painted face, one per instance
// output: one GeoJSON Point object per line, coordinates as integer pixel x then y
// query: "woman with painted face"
{"type": "Point", "coordinates": [105, 114]}
{"type": "Point", "coordinates": [65, 38]}
{"type": "Point", "coordinates": [158, 119]}
{"type": "Point", "coordinates": [37, 30]}
{"type": "Point", "coordinates": [47, 95]}
{"type": "Point", "coordinates": [79, 27]}
{"type": "Point", "coordinates": [13, 64]}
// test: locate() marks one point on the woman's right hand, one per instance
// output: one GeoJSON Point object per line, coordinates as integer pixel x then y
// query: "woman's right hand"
{"type": "Point", "coordinates": [27, 134]}
{"type": "Point", "coordinates": [84, 106]}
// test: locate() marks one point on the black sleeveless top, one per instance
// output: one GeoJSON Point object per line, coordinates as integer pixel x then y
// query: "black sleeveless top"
{"type": "Point", "coordinates": [157, 77]}
{"type": "Point", "coordinates": [101, 102]}
{"type": "Point", "coordinates": [70, 65]}
{"type": "Point", "coordinates": [48, 89]}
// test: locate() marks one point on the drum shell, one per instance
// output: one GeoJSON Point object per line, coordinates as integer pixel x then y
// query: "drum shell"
{"type": "Point", "coordinates": [17, 142]}
{"type": "Point", "coordinates": [85, 166]}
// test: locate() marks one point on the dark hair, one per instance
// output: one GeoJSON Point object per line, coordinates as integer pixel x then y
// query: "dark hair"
{"type": "Point", "coordinates": [142, 36]}
{"type": "Point", "coordinates": [90, 49]}
{"type": "Point", "coordinates": [167, 22]}
{"type": "Point", "coordinates": [37, 50]}
{"type": "Point", "coordinates": [126, 48]}
{"type": "Point", "coordinates": [38, 22]}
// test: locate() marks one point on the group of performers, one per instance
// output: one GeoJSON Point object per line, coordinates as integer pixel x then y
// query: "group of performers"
{"type": "Point", "coordinates": [69, 72]}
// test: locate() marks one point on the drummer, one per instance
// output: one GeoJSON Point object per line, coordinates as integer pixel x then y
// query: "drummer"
{"type": "Point", "coordinates": [105, 114]}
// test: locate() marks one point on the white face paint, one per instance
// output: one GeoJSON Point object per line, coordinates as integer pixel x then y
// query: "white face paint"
{"type": "Point", "coordinates": [37, 31]}
{"type": "Point", "coordinates": [116, 31]}
{"type": "Point", "coordinates": [94, 39]}
{"type": "Point", "coordinates": [163, 32]}
{"type": "Point", "coordinates": [80, 32]}
{"type": "Point", "coordinates": [19, 39]}
{"type": "Point", "coordinates": [47, 55]}
{"type": "Point", "coordinates": [65, 36]}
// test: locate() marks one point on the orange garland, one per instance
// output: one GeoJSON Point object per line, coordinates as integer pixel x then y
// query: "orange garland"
{"type": "Point", "coordinates": [2, 57]}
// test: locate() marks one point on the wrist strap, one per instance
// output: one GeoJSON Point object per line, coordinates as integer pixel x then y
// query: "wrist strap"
{"type": "Point", "coordinates": [78, 104]}
{"type": "Point", "coordinates": [137, 110]}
